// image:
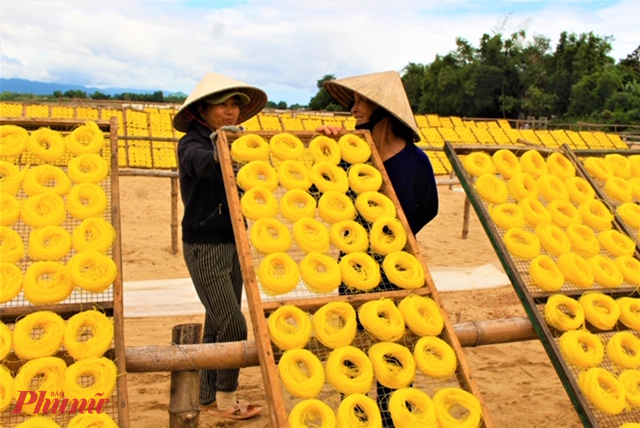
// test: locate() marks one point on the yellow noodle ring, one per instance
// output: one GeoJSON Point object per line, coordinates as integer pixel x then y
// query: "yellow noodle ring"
{"type": "Point", "coordinates": [349, 370]}
{"type": "Point", "coordinates": [354, 149]}
{"type": "Point", "coordinates": [629, 212]}
{"type": "Point", "coordinates": [387, 235]}
{"type": "Point", "coordinates": [560, 166]}
{"type": "Point", "coordinates": [598, 168]}
{"type": "Point", "coordinates": [301, 373]}
{"type": "Point", "coordinates": [616, 188]}
{"type": "Point", "coordinates": [435, 357]}
{"type": "Point", "coordinates": [311, 235]}
{"type": "Point", "coordinates": [393, 364]}
{"type": "Point", "coordinates": [619, 164]}
{"type": "Point", "coordinates": [249, 147]}
{"type": "Point", "coordinates": [360, 271]}
{"type": "Point", "coordinates": [629, 312]}
{"type": "Point", "coordinates": [88, 168]}
{"type": "Point", "coordinates": [92, 271]}
{"type": "Point", "coordinates": [595, 214]}
{"type": "Point", "coordinates": [46, 144]}
{"type": "Point", "coordinates": [296, 204]}
{"type": "Point", "coordinates": [5, 343]}
{"type": "Point", "coordinates": [94, 233]}
{"type": "Point", "coordinates": [9, 209]}
{"type": "Point", "coordinates": [349, 236]}
{"type": "Point", "coordinates": [563, 213]}
{"type": "Point", "coordinates": [630, 380]}
{"type": "Point", "coordinates": [372, 205]}
{"type": "Point", "coordinates": [13, 141]}
{"type": "Point", "coordinates": [492, 189]}
{"type": "Point", "coordinates": [46, 178]}
{"type": "Point", "coordinates": [292, 174]}
{"type": "Point", "coordinates": [12, 280]}
{"type": "Point", "coordinates": [86, 138]}
{"type": "Point", "coordinates": [329, 177]}
{"type": "Point", "coordinates": [603, 390]}
{"type": "Point", "coordinates": [11, 245]}
{"type": "Point", "coordinates": [521, 243]}
{"type": "Point", "coordinates": [269, 235]}
{"type": "Point", "coordinates": [43, 210]}
{"type": "Point", "coordinates": [605, 271]}
{"type": "Point", "coordinates": [46, 372]}
{"type": "Point", "coordinates": [86, 200]}
{"type": "Point", "coordinates": [422, 315]}
{"type": "Point", "coordinates": [576, 270]}
{"type": "Point", "coordinates": [581, 348]}
{"type": "Point", "coordinates": [46, 282]}
{"type": "Point", "coordinates": [552, 188]}
{"type": "Point", "coordinates": [312, 413]}
{"type": "Point", "coordinates": [579, 189]}
{"type": "Point", "coordinates": [102, 370]}
{"type": "Point", "coordinates": [11, 177]}
{"type": "Point", "coordinates": [634, 162]}
{"type": "Point", "coordinates": [278, 274]}
{"type": "Point", "coordinates": [508, 215]}
{"type": "Point", "coordinates": [258, 202]}
{"type": "Point", "coordinates": [49, 243]}
{"type": "Point", "coordinates": [600, 310]}
{"type": "Point", "coordinates": [320, 272]}
{"type": "Point", "coordinates": [289, 327]}
{"type": "Point", "coordinates": [257, 173]}
{"type": "Point", "coordinates": [545, 273]}
{"type": "Point", "coordinates": [534, 211]}
{"type": "Point", "coordinates": [38, 335]}
{"type": "Point", "coordinates": [563, 313]}
{"type": "Point", "coordinates": [522, 185]}
{"type": "Point", "coordinates": [358, 410]}
{"type": "Point", "coordinates": [410, 407]}
{"type": "Point", "coordinates": [553, 238]}
{"type": "Point", "coordinates": [382, 319]}
{"type": "Point", "coordinates": [506, 163]}
{"type": "Point", "coordinates": [334, 207]}
{"type": "Point", "coordinates": [88, 334]}
{"type": "Point", "coordinates": [616, 243]}
{"type": "Point", "coordinates": [334, 325]}
{"type": "Point", "coordinates": [478, 164]}
{"type": "Point", "coordinates": [404, 270]}
{"type": "Point", "coordinates": [286, 146]}
{"type": "Point", "coordinates": [92, 420]}
{"type": "Point", "coordinates": [325, 149]}
{"type": "Point", "coordinates": [448, 402]}
{"type": "Point", "coordinates": [533, 164]}
{"type": "Point", "coordinates": [364, 177]}
{"type": "Point", "coordinates": [623, 348]}
{"type": "Point", "coordinates": [629, 267]}
{"type": "Point", "coordinates": [6, 391]}
{"type": "Point", "coordinates": [583, 240]}
{"type": "Point", "coordinates": [635, 187]}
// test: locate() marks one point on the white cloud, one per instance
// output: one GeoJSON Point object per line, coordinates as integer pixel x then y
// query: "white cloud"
{"type": "Point", "coordinates": [282, 46]}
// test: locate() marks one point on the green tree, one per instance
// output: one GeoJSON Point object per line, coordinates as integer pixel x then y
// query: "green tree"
{"type": "Point", "coordinates": [322, 100]}
{"type": "Point", "coordinates": [412, 79]}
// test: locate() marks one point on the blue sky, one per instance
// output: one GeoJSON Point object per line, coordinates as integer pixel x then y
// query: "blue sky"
{"type": "Point", "coordinates": [281, 46]}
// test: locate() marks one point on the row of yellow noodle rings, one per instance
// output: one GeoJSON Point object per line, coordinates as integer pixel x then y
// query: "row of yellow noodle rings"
{"type": "Point", "coordinates": [334, 207]}
{"type": "Point", "coordinates": [86, 334]}
{"type": "Point", "coordinates": [623, 348]}
{"type": "Point", "coordinates": [289, 327]}
{"type": "Point", "coordinates": [382, 319]}
{"type": "Point", "coordinates": [278, 274]}
{"type": "Point", "coordinates": [301, 373]}
{"type": "Point", "coordinates": [320, 272]}
{"type": "Point", "coordinates": [603, 390]}
{"type": "Point", "coordinates": [12, 177]}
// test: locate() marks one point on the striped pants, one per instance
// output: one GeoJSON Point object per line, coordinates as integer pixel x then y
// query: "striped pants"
{"type": "Point", "coordinates": [215, 272]}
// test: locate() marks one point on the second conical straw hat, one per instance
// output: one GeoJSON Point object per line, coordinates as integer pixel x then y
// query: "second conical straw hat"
{"type": "Point", "coordinates": [384, 88]}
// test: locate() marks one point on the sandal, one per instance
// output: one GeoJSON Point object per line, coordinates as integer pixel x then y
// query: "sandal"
{"type": "Point", "coordinates": [241, 410]}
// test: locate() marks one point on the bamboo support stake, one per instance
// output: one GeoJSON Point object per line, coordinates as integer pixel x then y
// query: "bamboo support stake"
{"type": "Point", "coordinates": [184, 409]}
{"type": "Point", "coordinates": [465, 218]}
{"type": "Point", "coordinates": [174, 215]}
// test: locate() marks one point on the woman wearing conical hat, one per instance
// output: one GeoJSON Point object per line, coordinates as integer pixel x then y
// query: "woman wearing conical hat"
{"type": "Point", "coordinates": [379, 103]}
{"type": "Point", "coordinates": [209, 248]}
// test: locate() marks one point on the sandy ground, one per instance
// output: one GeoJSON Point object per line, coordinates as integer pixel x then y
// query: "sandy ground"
{"type": "Point", "coordinates": [516, 380]}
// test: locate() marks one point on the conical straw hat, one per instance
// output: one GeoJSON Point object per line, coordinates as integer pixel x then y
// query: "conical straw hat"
{"type": "Point", "coordinates": [214, 83]}
{"type": "Point", "coordinates": [384, 89]}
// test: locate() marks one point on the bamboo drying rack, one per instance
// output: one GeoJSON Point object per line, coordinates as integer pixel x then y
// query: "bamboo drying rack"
{"type": "Point", "coordinates": [260, 307]}
{"type": "Point", "coordinates": [110, 302]}
{"type": "Point", "coordinates": [533, 298]}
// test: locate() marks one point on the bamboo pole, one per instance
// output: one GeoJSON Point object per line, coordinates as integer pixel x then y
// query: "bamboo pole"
{"type": "Point", "coordinates": [146, 359]}
{"type": "Point", "coordinates": [184, 409]}
{"type": "Point", "coordinates": [174, 215]}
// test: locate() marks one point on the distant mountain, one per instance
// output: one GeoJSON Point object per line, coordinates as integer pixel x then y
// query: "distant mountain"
{"type": "Point", "coordinates": [22, 86]}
